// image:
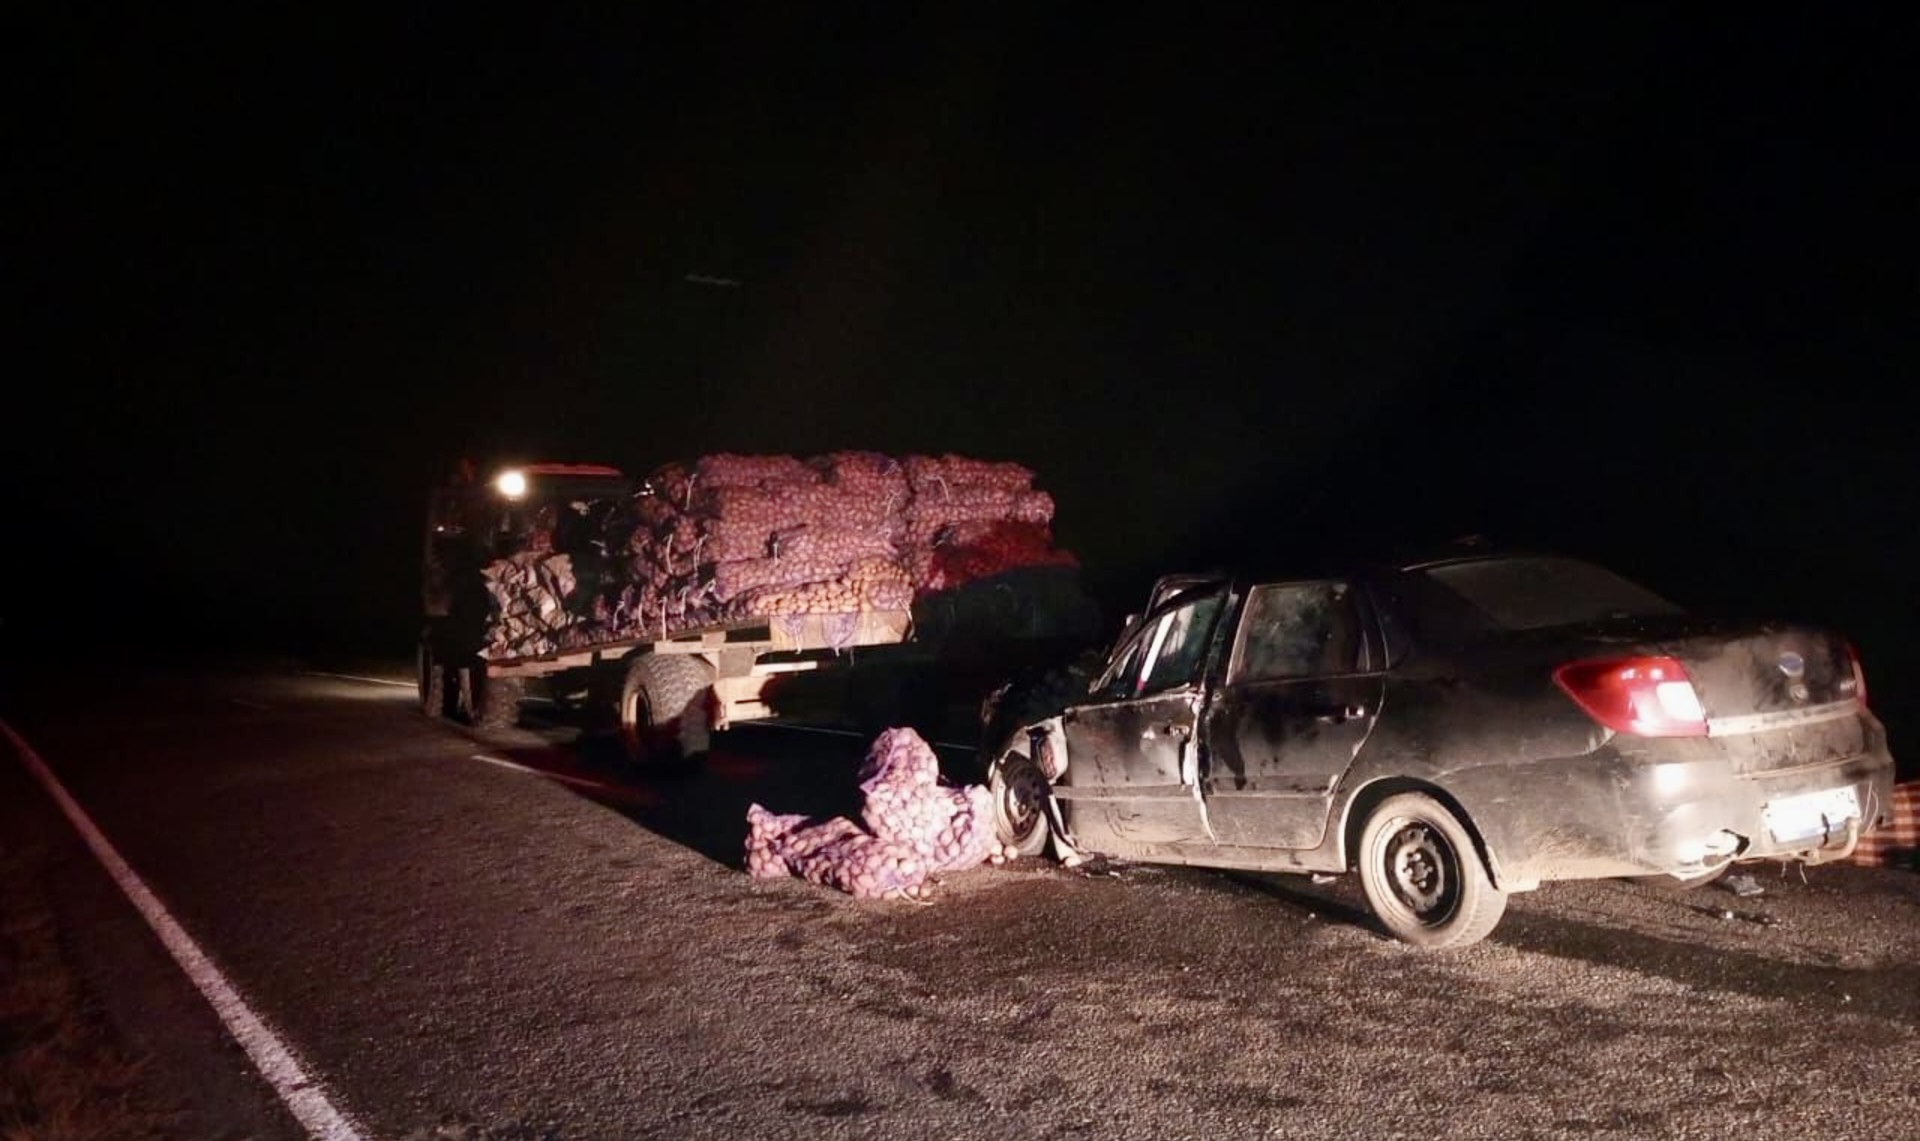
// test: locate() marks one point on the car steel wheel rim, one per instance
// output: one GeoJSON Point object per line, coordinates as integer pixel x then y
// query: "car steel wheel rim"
{"type": "Point", "coordinates": [1020, 799]}
{"type": "Point", "coordinates": [1419, 864]}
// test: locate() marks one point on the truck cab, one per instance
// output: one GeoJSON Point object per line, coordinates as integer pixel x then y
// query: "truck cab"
{"type": "Point", "coordinates": [471, 521]}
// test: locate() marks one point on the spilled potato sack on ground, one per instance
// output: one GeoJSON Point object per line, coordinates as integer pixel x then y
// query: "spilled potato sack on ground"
{"type": "Point", "coordinates": [915, 826]}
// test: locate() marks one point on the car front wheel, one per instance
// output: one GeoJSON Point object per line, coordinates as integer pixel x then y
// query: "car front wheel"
{"type": "Point", "coordinates": [1019, 796]}
{"type": "Point", "coordinates": [1423, 878]}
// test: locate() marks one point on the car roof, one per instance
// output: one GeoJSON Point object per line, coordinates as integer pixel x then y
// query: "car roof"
{"type": "Point", "coordinates": [1433, 559]}
{"type": "Point", "coordinates": [1381, 563]}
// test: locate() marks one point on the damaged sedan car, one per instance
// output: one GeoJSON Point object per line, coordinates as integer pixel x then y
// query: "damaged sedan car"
{"type": "Point", "coordinates": [1453, 731]}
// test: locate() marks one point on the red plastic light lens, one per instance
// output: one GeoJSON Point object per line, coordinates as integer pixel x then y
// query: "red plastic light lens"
{"type": "Point", "coordinates": [1644, 696]}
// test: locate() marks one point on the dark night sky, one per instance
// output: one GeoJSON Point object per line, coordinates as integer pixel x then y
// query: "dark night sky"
{"type": "Point", "coordinates": [1639, 285]}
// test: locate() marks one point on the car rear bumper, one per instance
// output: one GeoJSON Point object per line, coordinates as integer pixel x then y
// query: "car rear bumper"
{"type": "Point", "coordinates": [1814, 813]}
{"type": "Point", "coordinates": [1677, 811]}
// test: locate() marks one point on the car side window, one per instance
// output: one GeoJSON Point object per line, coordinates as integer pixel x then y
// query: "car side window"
{"type": "Point", "coordinates": [1169, 650]}
{"type": "Point", "coordinates": [1299, 629]}
{"type": "Point", "coordinates": [1182, 645]}
{"type": "Point", "coordinates": [1123, 678]}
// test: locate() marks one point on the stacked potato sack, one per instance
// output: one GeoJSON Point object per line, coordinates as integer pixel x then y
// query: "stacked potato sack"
{"type": "Point", "coordinates": [529, 590]}
{"type": "Point", "coordinates": [980, 550]}
{"type": "Point", "coordinates": [833, 547]}
{"type": "Point", "coordinates": [730, 537]}
{"type": "Point", "coordinates": [561, 588]}
{"type": "Point", "coordinates": [917, 826]}
{"type": "Point", "coordinates": [958, 517]}
{"type": "Point", "coordinates": [841, 550]}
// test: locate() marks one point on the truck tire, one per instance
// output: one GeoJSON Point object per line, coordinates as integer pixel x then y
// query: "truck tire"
{"type": "Point", "coordinates": [664, 711]}
{"type": "Point", "coordinates": [432, 681]}
{"type": "Point", "coordinates": [493, 703]}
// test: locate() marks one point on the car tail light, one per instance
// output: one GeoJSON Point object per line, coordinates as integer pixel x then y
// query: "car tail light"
{"type": "Point", "coordinates": [1645, 696]}
{"type": "Point", "coordinates": [1859, 676]}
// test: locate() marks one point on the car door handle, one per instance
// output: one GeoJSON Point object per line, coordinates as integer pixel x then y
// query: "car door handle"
{"type": "Point", "coordinates": [1177, 730]}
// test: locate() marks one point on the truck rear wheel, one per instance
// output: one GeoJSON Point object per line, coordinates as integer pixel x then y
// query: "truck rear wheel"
{"type": "Point", "coordinates": [666, 721]}
{"type": "Point", "coordinates": [431, 680]}
{"type": "Point", "coordinates": [492, 702]}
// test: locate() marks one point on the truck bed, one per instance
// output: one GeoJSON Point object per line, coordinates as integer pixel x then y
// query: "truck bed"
{"type": "Point", "coordinates": [787, 633]}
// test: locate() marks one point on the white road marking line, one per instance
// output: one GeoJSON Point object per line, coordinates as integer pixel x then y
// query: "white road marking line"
{"type": "Point", "coordinates": [301, 1093]}
{"type": "Point", "coordinates": [361, 677]}
{"type": "Point", "coordinates": [582, 782]}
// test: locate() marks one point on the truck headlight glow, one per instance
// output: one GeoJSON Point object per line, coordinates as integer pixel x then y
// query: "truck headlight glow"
{"type": "Point", "coordinates": [511, 484]}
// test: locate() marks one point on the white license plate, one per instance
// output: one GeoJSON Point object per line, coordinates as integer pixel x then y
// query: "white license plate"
{"type": "Point", "coordinates": [1811, 814]}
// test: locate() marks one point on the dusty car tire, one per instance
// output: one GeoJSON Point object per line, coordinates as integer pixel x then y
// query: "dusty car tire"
{"type": "Point", "coordinates": [1019, 795]}
{"type": "Point", "coordinates": [1423, 877]}
{"type": "Point", "coordinates": [665, 722]}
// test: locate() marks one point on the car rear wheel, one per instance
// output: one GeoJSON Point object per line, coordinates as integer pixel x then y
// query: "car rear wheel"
{"type": "Point", "coordinates": [1019, 796]}
{"type": "Point", "coordinates": [1423, 877]}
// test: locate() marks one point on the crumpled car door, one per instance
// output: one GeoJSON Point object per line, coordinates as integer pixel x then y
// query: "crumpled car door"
{"type": "Point", "coordinates": [1133, 773]}
{"type": "Point", "coordinates": [1134, 769]}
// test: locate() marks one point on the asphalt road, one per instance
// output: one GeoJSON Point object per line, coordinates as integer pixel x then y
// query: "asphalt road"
{"type": "Point", "coordinates": [453, 947]}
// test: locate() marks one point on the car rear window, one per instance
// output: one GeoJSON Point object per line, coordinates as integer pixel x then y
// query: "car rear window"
{"type": "Point", "coordinates": [1534, 593]}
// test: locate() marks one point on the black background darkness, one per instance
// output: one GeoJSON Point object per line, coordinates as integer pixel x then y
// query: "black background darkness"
{"type": "Point", "coordinates": [1636, 285]}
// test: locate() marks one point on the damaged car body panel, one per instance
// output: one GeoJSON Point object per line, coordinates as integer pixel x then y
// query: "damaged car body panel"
{"type": "Point", "coordinates": [1455, 731]}
{"type": "Point", "coordinates": [1133, 752]}
{"type": "Point", "coordinates": [1301, 693]}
